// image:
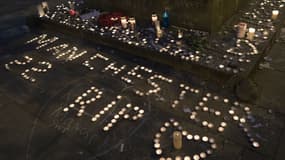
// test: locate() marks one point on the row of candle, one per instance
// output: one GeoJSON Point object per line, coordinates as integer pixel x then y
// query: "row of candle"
{"type": "Point", "coordinates": [84, 103]}
{"type": "Point", "coordinates": [253, 48]}
{"type": "Point", "coordinates": [124, 112]}
{"type": "Point", "coordinates": [177, 141]}
{"type": "Point", "coordinates": [131, 21]}
{"type": "Point", "coordinates": [156, 23]}
{"type": "Point", "coordinates": [105, 109]}
{"type": "Point", "coordinates": [232, 111]}
{"type": "Point", "coordinates": [248, 38]}
{"type": "Point", "coordinates": [144, 42]}
{"type": "Point", "coordinates": [27, 73]}
{"type": "Point", "coordinates": [242, 28]}
{"type": "Point", "coordinates": [202, 106]}
{"type": "Point", "coordinates": [96, 56]}
{"type": "Point", "coordinates": [72, 54]}
{"type": "Point", "coordinates": [184, 89]}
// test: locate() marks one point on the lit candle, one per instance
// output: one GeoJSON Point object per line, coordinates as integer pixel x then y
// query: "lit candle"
{"type": "Point", "coordinates": [40, 10]}
{"type": "Point", "coordinates": [159, 33]}
{"type": "Point", "coordinates": [265, 33]}
{"type": "Point", "coordinates": [177, 140]}
{"type": "Point", "coordinates": [45, 6]}
{"type": "Point", "coordinates": [124, 22]}
{"type": "Point", "coordinates": [251, 34]}
{"type": "Point", "coordinates": [275, 14]}
{"type": "Point", "coordinates": [71, 4]}
{"type": "Point", "coordinates": [154, 18]}
{"type": "Point", "coordinates": [180, 34]}
{"type": "Point", "coordinates": [132, 22]}
{"type": "Point", "coordinates": [157, 25]}
{"type": "Point", "coordinates": [241, 30]}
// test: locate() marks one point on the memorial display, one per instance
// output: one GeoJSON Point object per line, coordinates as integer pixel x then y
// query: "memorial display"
{"type": "Point", "coordinates": [144, 80]}
{"type": "Point", "coordinates": [235, 50]}
{"type": "Point", "coordinates": [105, 109]}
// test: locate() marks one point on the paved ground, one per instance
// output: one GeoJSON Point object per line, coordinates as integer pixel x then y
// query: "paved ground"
{"type": "Point", "coordinates": [33, 126]}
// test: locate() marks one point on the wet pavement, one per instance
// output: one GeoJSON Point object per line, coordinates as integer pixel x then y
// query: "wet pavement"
{"type": "Point", "coordinates": [34, 126]}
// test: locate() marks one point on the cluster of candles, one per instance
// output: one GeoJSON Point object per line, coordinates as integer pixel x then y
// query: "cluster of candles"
{"type": "Point", "coordinates": [27, 60]}
{"type": "Point", "coordinates": [251, 32]}
{"type": "Point", "coordinates": [43, 8]}
{"type": "Point", "coordinates": [201, 107]}
{"type": "Point", "coordinates": [242, 30]}
{"type": "Point", "coordinates": [124, 113]}
{"type": "Point", "coordinates": [83, 103]}
{"type": "Point", "coordinates": [57, 49]}
{"type": "Point", "coordinates": [129, 34]}
{"type": "Point", "coordinates": [46, 42]}
{"type": "Point", "coordinates": [206, 109]}
{"type": "Point", "coordinates": [155, 85]}
{"type": "Point", "coordinates": [26, 73]}
{"type": "Point", "coordinates": [113, 68]}
{"type": "Point", "coordinates": [96, 56]}
{"type": "Point", "coordinates": [253, 48]}
{"type": "Point", "coordinates": [106, 109]}
{"type": "Point", "coordinates": [131, 21]}
{"type": "Point", "coordinates": [233, 112]}
{"type": "Point", "coordinates": [43, 41]}
{"type": "Point", "coordinates": [184, 89]}
{"type": "Point", "coordinates": [60, 51]}
{"type": "Point", "coordinates": [177, 141]}
{"type": "Point", "coordinates": [134, 73]}
{"type": "Point", "coordinates": [242, 27]}
{"type": "Point", "coordinates": [256, 25]}
{"type": "Point", "coordinates": [70, 54]}
{"type": "Point", "coordinates": [127, 80]}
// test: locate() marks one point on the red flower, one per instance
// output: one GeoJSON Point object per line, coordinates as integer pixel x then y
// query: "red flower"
{"type": "Point", "coordinates": [110, 19]}
{"type": "Point", "coordinates": [72, 12]}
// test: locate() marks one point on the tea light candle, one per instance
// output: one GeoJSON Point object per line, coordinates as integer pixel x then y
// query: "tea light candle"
{"type": "Point", "coordinates": [241, 30]}
{"type": "Point", "coordinates": [154, 18]}
{"type": "Point", "coordinates": [265, 33]}
{"type": "Point", "coordinates": [250, 34]}
{"type": "Point", "coordinates": [177, 140]}
{"type": "Point", "coordinates": [275, 14]}
{"type": "Point", "coordinates": [180, 34]}
{"type": "Point", "coordinates": [132, 22]}
{"type": "Point", "coordinates": [124, 22]}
